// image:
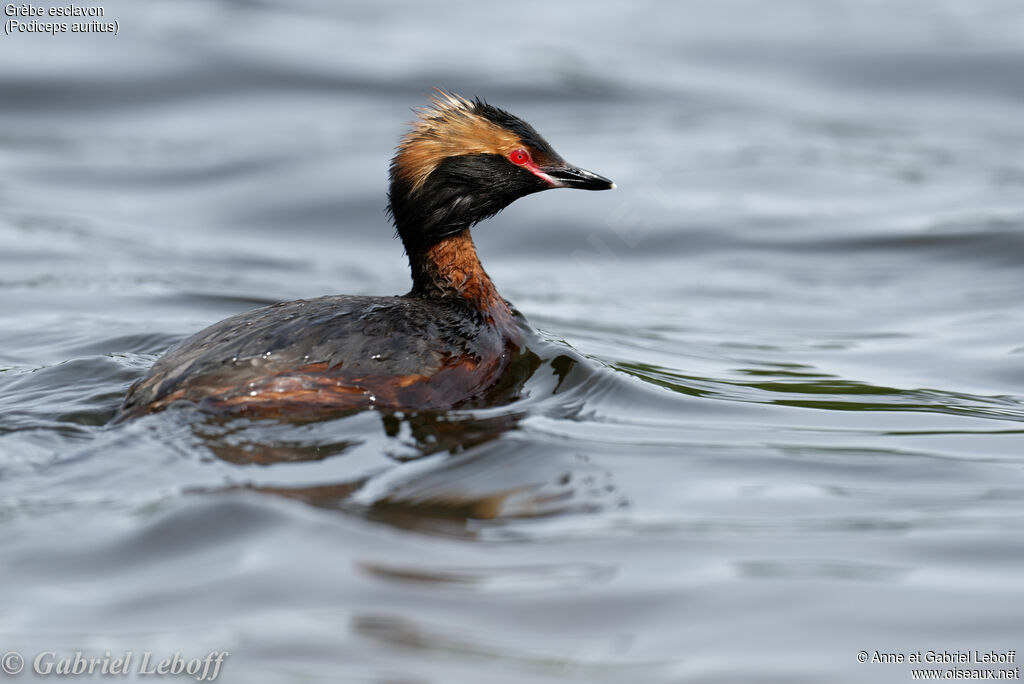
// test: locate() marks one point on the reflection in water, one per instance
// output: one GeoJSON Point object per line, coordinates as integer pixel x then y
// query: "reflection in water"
{"type": "Point", "coordinates": [803, 387]}
{"type": "Point", "coordinates": [442, 468]}
{"type": "Point", "coordinates": [496, 481]}
{"type": "Point", "coordinates": [421, 433]}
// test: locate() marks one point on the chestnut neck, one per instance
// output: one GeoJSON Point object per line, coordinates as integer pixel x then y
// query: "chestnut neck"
{"type": "Point", "coordinates": [450, 269]}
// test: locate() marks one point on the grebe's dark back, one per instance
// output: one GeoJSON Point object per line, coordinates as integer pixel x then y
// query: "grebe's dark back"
{"type": "Point", "coordinates": [446, 341]}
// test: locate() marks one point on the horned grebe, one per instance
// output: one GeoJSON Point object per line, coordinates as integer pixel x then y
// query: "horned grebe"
{"type": "Point", "coordinates": [446, 341]}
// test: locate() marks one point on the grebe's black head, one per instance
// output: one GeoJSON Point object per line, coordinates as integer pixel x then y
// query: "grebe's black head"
{"type": "Point", "coordinates": [464, 161]}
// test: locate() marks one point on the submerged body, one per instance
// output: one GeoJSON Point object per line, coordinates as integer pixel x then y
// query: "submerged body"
{"type": "Point", "coordinates": [446, 341]}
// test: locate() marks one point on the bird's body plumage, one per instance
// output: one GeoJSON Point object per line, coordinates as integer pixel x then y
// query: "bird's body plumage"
{"type": "Point", "coordinates": [342, 351]}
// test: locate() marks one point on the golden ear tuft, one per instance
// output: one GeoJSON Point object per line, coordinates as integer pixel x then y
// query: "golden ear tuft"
{"type": "Point", "coordinates": [451, 126]}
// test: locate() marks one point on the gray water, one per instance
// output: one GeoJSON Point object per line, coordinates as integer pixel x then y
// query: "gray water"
{"type": "Point", "coordinates": [779, 409]}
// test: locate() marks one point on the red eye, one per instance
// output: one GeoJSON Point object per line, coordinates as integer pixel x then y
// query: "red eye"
{"type": "Point", "coordinates": [519, 156]}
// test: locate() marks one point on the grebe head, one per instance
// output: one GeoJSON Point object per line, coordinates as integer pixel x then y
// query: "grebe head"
{"type": "Point", "coordinates": [464, 161]}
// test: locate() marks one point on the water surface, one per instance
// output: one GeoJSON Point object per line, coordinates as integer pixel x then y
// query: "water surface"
{"type": "Point", "coordinates": [777, 411]}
